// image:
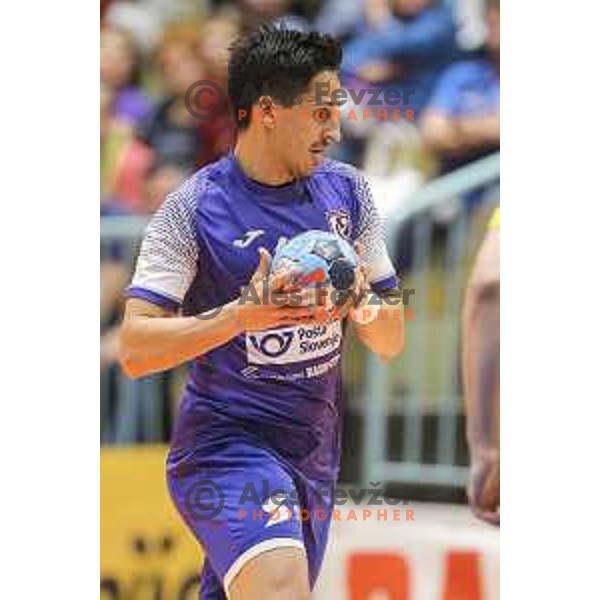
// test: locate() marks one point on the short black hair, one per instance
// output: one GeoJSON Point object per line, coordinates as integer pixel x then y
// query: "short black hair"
{"type": "Point", "coordinates": [278, 62]}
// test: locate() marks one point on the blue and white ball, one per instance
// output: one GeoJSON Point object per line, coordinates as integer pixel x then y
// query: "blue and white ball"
{"type": "Point", "coordinates": [319, 257]}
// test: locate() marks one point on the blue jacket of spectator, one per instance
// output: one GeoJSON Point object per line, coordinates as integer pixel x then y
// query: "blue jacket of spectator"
{"type": "Point", "coordinates": [423, 45]}
{"type": "Point", "coordinates": [467, 89]}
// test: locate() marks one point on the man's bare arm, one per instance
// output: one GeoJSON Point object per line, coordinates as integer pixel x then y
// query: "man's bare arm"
{"type": "Point", "coordinates": [385, 334]}
{"type": "Point", "coordinates": [454, 137]}
{"type": "Point", "coordinates": [153, 339]}
{"type": "Point", "coordinates": [481, 374]}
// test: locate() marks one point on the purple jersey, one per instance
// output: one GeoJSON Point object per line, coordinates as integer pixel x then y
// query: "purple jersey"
{"type": "Point", "coordinates": [282, 385]}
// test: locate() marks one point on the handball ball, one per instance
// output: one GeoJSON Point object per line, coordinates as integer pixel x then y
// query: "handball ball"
{"type": "Point", "coordinates": [319, 257]}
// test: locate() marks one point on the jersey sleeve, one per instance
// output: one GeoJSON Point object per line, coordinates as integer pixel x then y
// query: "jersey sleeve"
{"type": "Point", "coordinates": [370, 235]}
{"type": "Point", "coordinates": [168, 256]}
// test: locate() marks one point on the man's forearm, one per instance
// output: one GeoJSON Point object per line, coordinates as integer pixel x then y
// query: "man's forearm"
{"type": "Point", "coordinates": [478, 132]}
{"type": "Point", "coordinates": [384, 335]}
{"type": "Point", "coordinates": [481, 366]}
{"type": "Point", "coordinates": [156, 343]}
{"type": "Point", "coordinates": [456, 137]}
{"type": "Point", "coordinates": [440, 134]}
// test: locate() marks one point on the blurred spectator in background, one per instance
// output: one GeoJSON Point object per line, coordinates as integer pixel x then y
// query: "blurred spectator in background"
{"type": "Point", "coordinates": [460, 124]}
{"type": "Point", "coordinates": [217, 33]}
{"type": "Point", "coordinates": [216, 135]}
{"type": "Point", "coordinates": [115, 136]}
{"type": "Point", "coordinates": [139, 140]}
{"type": "Point", "coordinates": [123, 162]}
{"type": "Point", "coordinates": [120, 69]}
{"type": "Point", "coordinates": [172, 133]}
{"type": "Point", "coordinates": [462, 120]}
{"type": "Point", "coordinates": [402, 43]}
{"type": "Point", "coordinates": [103, 6]}
{"type": "Point", "coordinates": [340, 18]}
{"type": "Point", "coordinates": [170, 130]}
{"type": "Point", "coordinates": [257, 12]}
{"type": "Point", "coordinates": [145, 20]}
{"type": "Point", "coordinates": [161, 179]}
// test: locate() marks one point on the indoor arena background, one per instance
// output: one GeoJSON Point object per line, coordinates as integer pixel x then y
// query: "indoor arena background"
{"type": "Point", "coordinates": [404, 427]}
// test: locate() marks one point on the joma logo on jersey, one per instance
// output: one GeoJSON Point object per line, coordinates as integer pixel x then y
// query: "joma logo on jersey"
{"type": "Point", "coordinates": [294, 344]}
{"type": "Point", "coordinates": [248, 238]}
{"type": "Point", "coordinates": [340, 222]}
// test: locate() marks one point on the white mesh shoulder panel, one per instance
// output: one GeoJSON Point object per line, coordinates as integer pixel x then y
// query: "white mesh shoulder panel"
{"type": "Point", "coordinates": [369, 227]}
{"type": "Point", "coordinates": [167, 261]}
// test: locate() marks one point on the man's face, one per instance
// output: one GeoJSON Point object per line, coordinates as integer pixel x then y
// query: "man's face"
{"type": "Point", "coordinates": [301, 133]}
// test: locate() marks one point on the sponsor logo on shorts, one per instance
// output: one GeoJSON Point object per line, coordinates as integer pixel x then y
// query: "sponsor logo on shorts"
{"type": "Point", "coordinates": [274, 506]}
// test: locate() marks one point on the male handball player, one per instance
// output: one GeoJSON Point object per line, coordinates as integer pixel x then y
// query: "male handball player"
{"type": "Point", "coordinates": [262, 402]}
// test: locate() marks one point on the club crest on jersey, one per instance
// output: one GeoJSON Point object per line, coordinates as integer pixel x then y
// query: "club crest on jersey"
{"type": "Point", "coordinates": [340, 222]}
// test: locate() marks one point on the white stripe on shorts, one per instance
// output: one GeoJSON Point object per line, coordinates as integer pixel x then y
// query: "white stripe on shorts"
{"type": "Point", "coordinates": [253, 552]}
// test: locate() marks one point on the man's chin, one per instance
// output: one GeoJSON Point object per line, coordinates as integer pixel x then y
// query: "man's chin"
{"type": "Point", "coordinates": [306, 167]}
{"type": "Point", "coordinates": [316, 158]}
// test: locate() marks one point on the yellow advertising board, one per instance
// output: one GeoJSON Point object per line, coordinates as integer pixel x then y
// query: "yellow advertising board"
{"type": "Point", "coordinates": [146, 552]}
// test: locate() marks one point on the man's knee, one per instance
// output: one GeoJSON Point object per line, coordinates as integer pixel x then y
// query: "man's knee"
{"type": "Point", "coordinates": [279, 574]}
{"type": "Point", "coordinates": [289, 582]}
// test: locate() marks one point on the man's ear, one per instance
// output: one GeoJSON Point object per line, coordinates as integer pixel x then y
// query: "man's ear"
{"type": "Point", "coordinates": [268, 113]}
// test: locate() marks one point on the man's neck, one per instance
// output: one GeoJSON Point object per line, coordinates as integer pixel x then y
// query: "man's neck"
{"type": "Point", "coordinates": [257, 161]}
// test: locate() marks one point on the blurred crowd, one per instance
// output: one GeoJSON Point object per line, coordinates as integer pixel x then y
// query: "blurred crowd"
{"type": "Point", "coordinates": [447, 51]}
{"type": "Point", "coordinates": [152, 51]}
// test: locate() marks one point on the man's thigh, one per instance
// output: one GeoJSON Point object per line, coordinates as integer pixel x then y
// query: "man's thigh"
{"type": "Point", "coordinates": [277, 574]}
{"type": "Point", "coordinates": [227, 507]}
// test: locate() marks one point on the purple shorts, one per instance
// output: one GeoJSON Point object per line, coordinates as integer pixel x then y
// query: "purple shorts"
{"type": "Point", "coordinates": [240, 500]}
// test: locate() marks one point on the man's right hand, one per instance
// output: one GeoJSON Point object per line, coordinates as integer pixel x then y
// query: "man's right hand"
{"type": "Point", "coordinates": [272, 290]}
{"type": "Point", "coordinates": [484, 485]}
